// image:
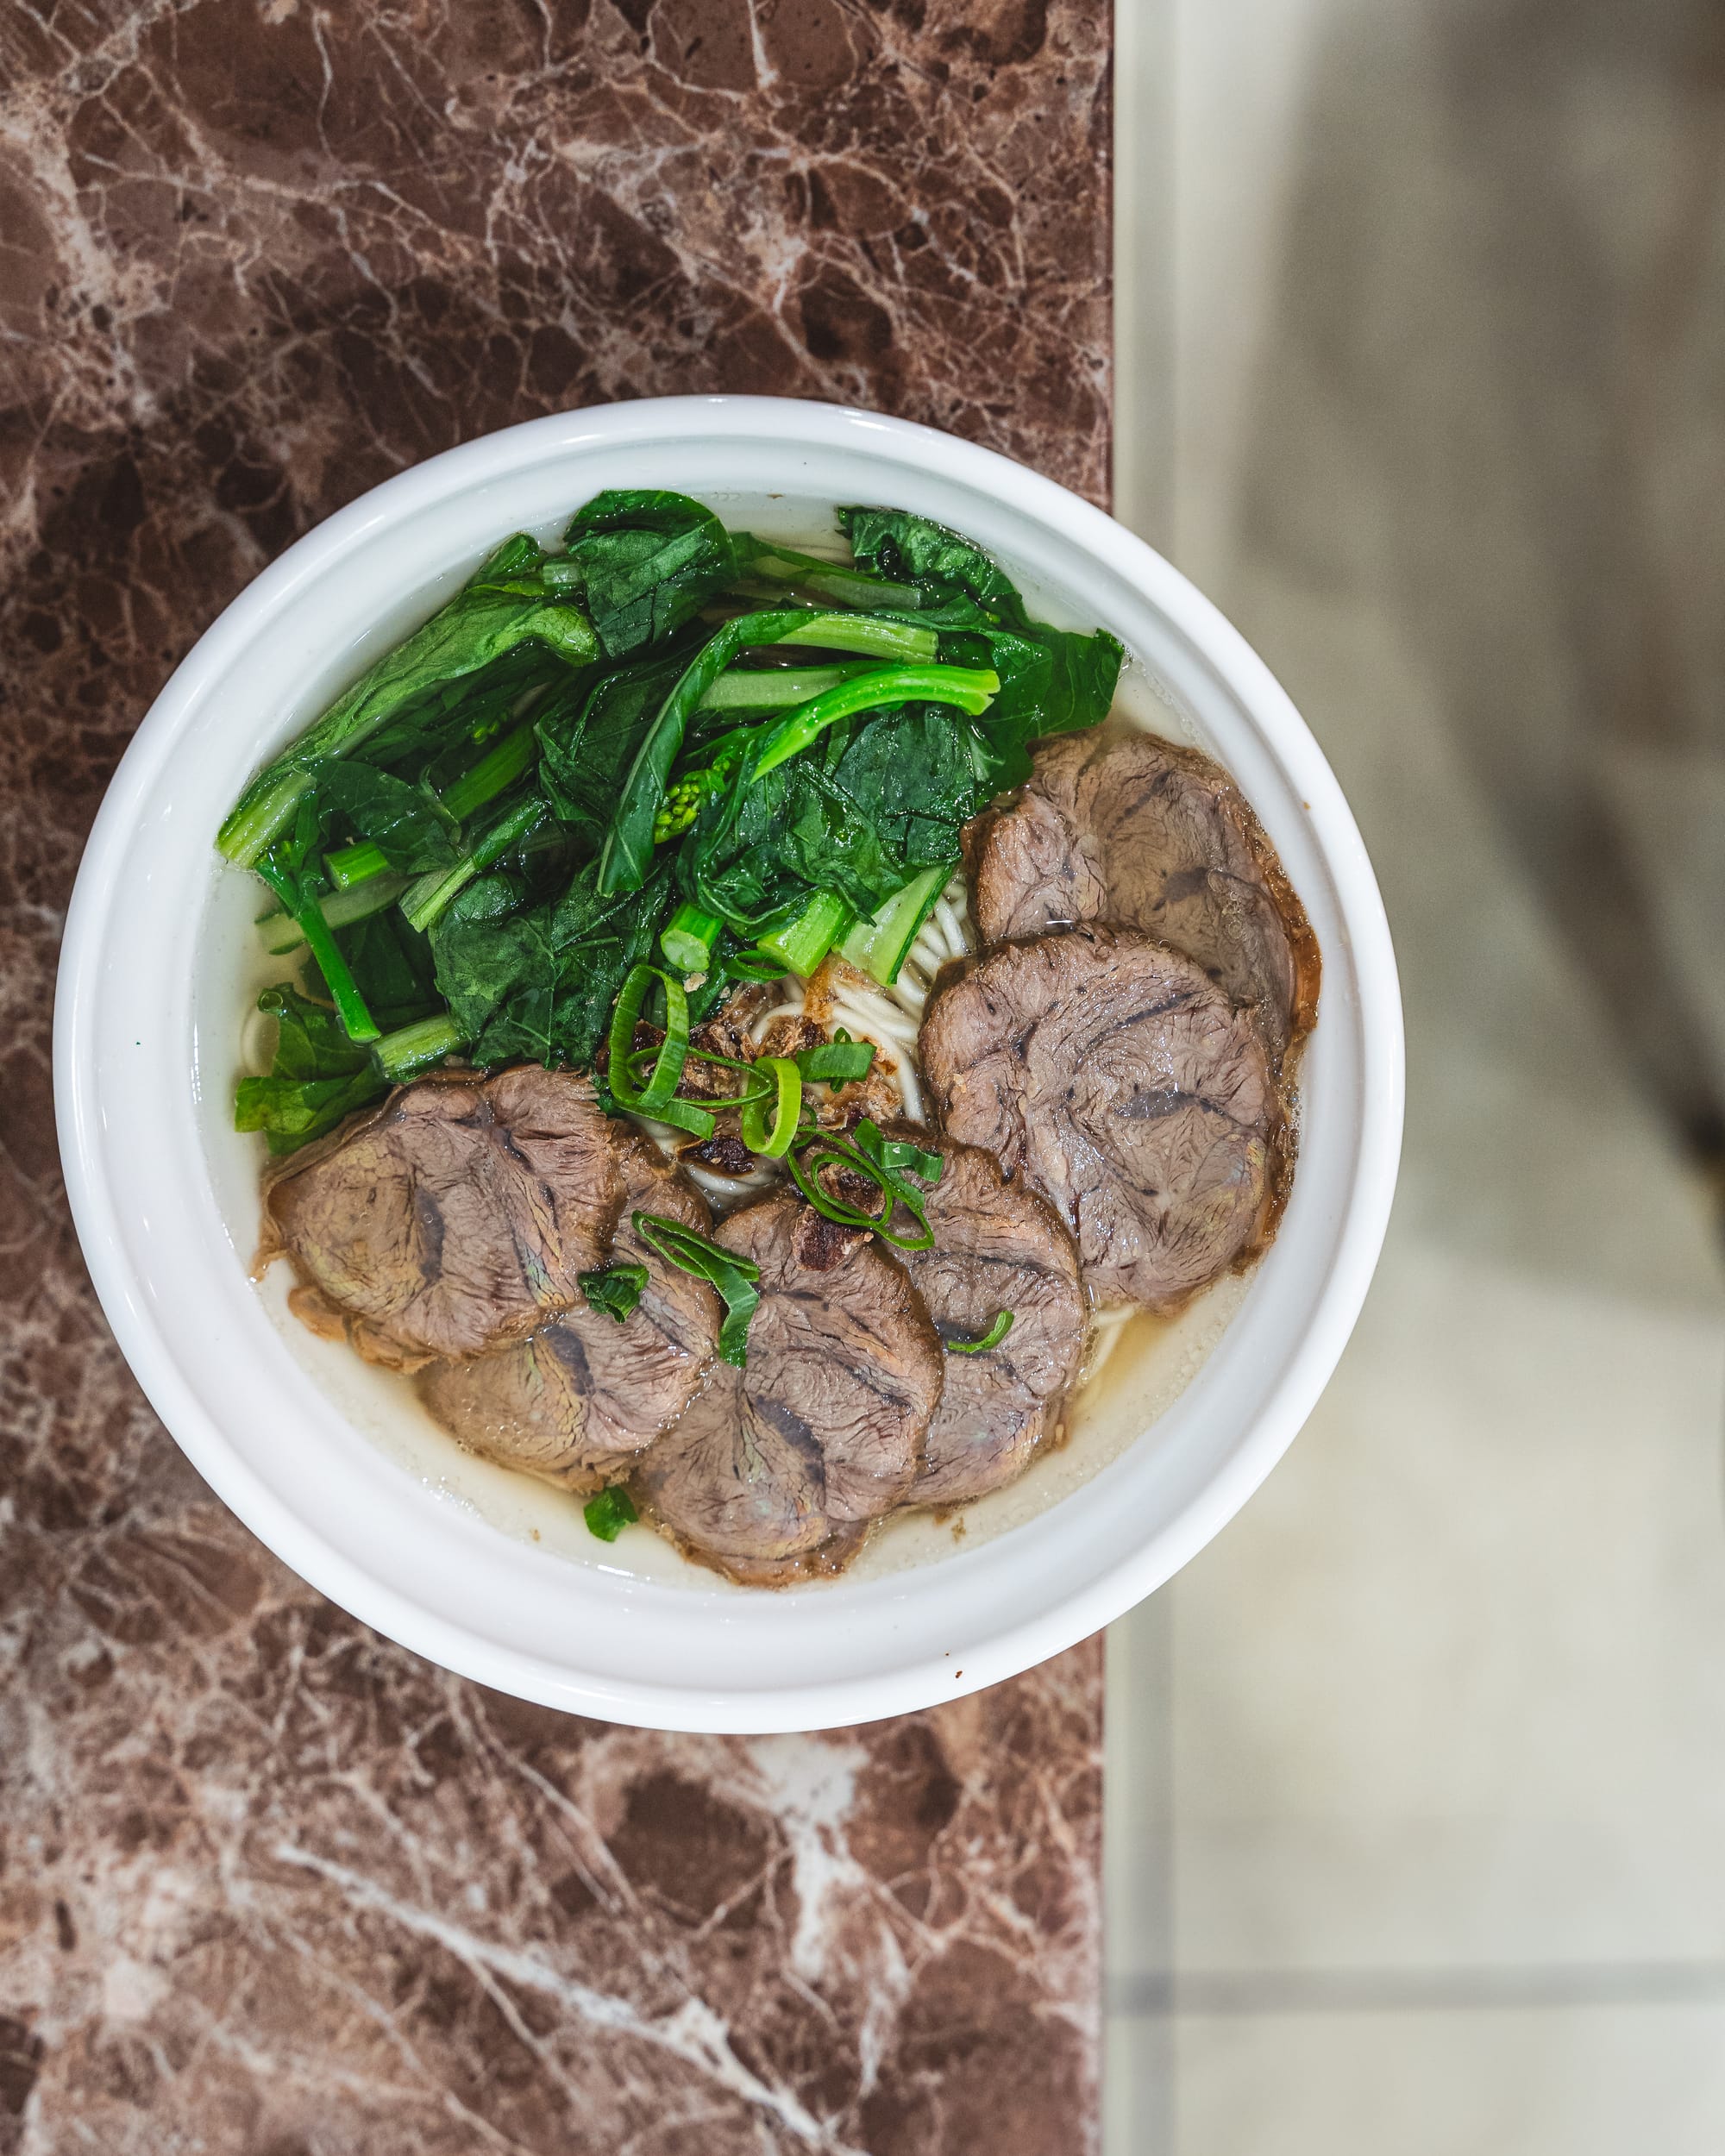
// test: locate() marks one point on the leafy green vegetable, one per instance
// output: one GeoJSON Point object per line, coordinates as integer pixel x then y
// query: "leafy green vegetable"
{"type": "Point", "coordinates": [316, 1077]}
{"type": "Point", "coordinates": [769, 564]}
{"type": "Point", "coordinates": [688, 937]}
{"type": "Point", "coordinates": [565, 761]}
{"type": "Point", "coordinates": [425, 898]}
{"type": "Point", "coordinates": [613, 1290]}
{"type": "Point", "coordinates": [650, 562]}
{"type": "Point", "coordinates": [392, 965]}
{"type": "Point", "coordinates": [971, 689]}
{"type": "Point", "coordinates": [1052, 681]}
{"type": "Point", "coordinates": [302, 902]}
{"type": "Point", "coordinates": [803, 941]}
{"type": "Point", "coordinates": [894, 543]}
{"type": "Point", "coordinates": [610, 1512]}
{"type": "Point", "coordinates": [478, 626]}
{"type": "Point", "coordinates": [760, 851]}
{"type": "Point", "coordinates": [628, 852]}
{"type": "Point", "coordinates": [916, 775]}
{"type": "Point", "coordinates": [879, 945]}
{"type": "Point", "coordinates": [588, 741]}
{"type": "Point", "coordinates": [407, 825]}
{"type": "Point", "coordinates": [541, 982]}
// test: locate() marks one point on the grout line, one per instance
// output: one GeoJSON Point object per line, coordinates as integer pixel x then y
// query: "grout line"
{"type": "Point", "coordinates": [1214, 1991]}
{"type": "Point", "coordinates": [1138, 1870]}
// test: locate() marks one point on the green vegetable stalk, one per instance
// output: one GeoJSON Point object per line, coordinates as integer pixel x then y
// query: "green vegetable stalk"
{"type": "Point", "coordinates": [971, 689]}
{"type": "Point", "coordinates": [628, 850]}
{"type": "Point", "coordinates": [478, 626]}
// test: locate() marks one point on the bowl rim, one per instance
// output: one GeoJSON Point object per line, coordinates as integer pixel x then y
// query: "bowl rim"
{"type": "Point", "coordinates": [913, 1682]}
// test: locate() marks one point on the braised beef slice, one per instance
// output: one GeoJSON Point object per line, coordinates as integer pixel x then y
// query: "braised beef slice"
{"type": "Point", "coordinates": [773, 1470]}
{"type": "Point", "coordinates": [1124, 1084]}
{"type": "Point", "coordinates": [577, 1401]}
{"type": "Point", "coordinates": [455, 1218]}
{"type": "Point", "coordinates": [1144, 835]}
{"type": "Point", "coordinates": [997, 1246]}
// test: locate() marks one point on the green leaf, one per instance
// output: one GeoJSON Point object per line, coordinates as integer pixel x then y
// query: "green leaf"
{"type": "Point", "coordinates": [894, 543]}
{"type": "Point", "coordinates": [391, 966]}
{"type": "Point", "coordinates": [589, 739]}
{"type": "Point", "coordinates": [628, 852]}
{"type": "Point", "coordinates": [310, 1041]}
{"type": "Point", "coordinates": [1052, 681]}
{"type": "Point", "coordinates": [916, 775]}
{"type": "Point", "coordinates": [613, 1290]}
{"type": "Point", "coordinates": [476, 628]}
{"type": "Point", "coordinates": [317, 1075]}
{"type": "Point", "coordinates": [404, 824]}
{"type": "Point", "coordinates": [649, 561]}
{"type": "Point", "coordinates": [610, 1512]}
{"type": "Point", "coordinates": [541, 982]}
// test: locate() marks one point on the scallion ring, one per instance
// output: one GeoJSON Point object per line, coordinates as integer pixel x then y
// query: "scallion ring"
{"type": "Point", "coordinates": [654, 1097]}
{"type": "Point", "coordinates": [824, 1149]}
{"type": "Point", "coordinates": [773, 1141]}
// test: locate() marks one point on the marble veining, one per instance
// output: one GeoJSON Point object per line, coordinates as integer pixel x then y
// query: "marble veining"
{"type": "Point", "coordinates": [268, 1884]}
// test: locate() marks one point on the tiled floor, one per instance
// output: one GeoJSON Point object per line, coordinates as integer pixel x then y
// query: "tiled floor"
{"type": "Point", "coordinates": [1417, 1798]}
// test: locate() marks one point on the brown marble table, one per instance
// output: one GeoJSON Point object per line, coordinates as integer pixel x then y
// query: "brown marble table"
{"type": "Point", "coordinates": [267, 1883]}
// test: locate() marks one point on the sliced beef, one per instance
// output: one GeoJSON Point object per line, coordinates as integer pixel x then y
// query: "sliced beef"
{"type": "Point", "coordinates": [1144, 835]}
{"type": "Point", "coordinates": [455, 1218]}
{"type": "Point", "coordinates": [1124, 1084]}
{"type": "Point", "coordinates": [997, 1246]}
{"type": "Point", "coordinates": [579, 1399]}
{"type": "Point", "coordinates": [776, 1470]}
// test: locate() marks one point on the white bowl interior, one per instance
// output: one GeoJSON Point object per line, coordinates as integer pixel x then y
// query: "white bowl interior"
{"type": "Point", "coordinates": [334, 1466]}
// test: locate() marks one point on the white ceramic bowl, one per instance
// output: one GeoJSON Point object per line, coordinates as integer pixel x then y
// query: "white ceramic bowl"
{"type": "Point", "coordinates": [164, 1193]}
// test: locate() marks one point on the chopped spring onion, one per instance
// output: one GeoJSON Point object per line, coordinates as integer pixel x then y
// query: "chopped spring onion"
{"type": "Point", "coordinates": [610, 1512]}
{"type": "Point", "coordinates": [971, 688]}
{"type": "Point", "coordinates": [773, 1140]}
{"type": "Point", "coordinates": [351, 1005]}
{"type": "Point", "coordinates": [655, 1098]}
{"type": "Point", "coordinates": [280, 932]}
{"type": "Point", "coordinates": [896, 1154]}
{"type": "Point", "coordinates": [734, 1278]}
{"type": "Point", "coordinates": [800, 945]}
{"type": "Point", "coordinates": [750, 965]}
{"type": "Point", "coordinates": [613, 1290]}
{"type": "Point", "coordinates": [880, 946]}
{"type": "Point", "coordinates": [992, 1339]}
{"type": "Point", "coordinates": [413, 1049]}
{"type": "Point", "coordinates": [687, 938]}
{"type": "Point", "coordinates": [839, 1061]}
{"type": "Point", "coordinates": [823, 1149]}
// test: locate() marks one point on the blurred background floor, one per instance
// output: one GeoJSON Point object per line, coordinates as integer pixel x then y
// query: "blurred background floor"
{"type": "Point", "coordinates": [1417, 1776]}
